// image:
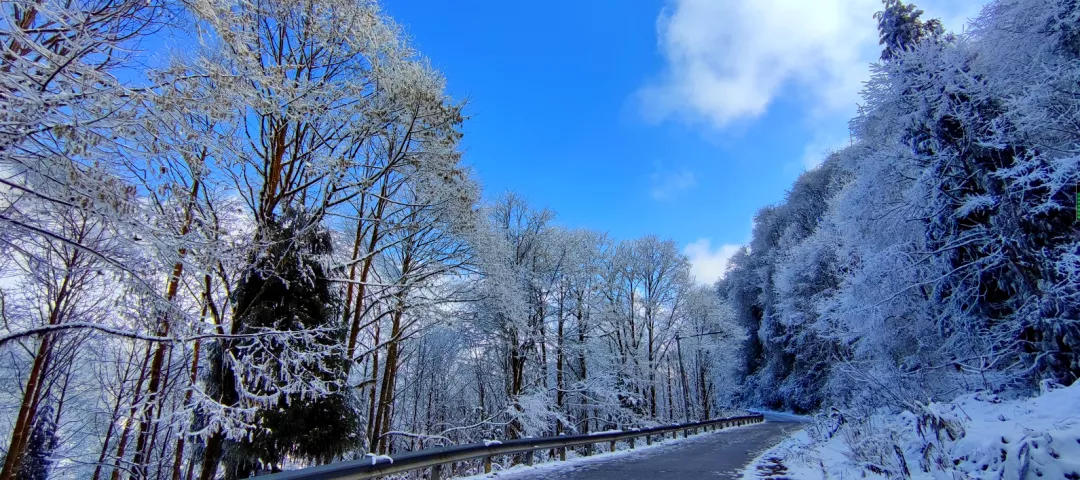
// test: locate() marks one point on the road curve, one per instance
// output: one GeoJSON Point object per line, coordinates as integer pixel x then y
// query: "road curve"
{"type": "Point", "coordinates": [720, 454]}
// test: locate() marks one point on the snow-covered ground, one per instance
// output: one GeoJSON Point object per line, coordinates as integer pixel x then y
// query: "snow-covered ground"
{"type": "Point", "coordinates": [975, 436]}
{"type": "Point", "coordinates": [782, 416]}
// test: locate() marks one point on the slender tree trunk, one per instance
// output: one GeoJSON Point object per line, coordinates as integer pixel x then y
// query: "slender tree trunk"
{"type": "Point", "coordinates": [136, 393]}
{"type": "Point", "coordinates": [372, 393]}
{"type": "Point", "coordinates": [560, 383]}
{"type": "Point", "coordinates": [178, 454]}
{"type": "Point", "coordinates": [541, 330]}
{"type": "Point", "coordinates": [212, 455]}
{"type": "Point", "coordinates": [143, 441]}
{"type": "Point", "coordinates": [354, 328]}
{"type": "Point", "coordinates": [481, 391]}
{"type": "Point", "coordinates": [582, 364]}
{"type": "Point", "coordinates": [114, 418]}
{"type": "Point", "coordinates": [517, 380]}
{"type": "Point", "coordinates": [703, 385]}
{"type": "Point", "coordinates": [685, 383]}
{"type": "Point", "coordinates": [216, 443]}
{"type": "Point", "coordinates": [20, 433]}
{"type": "Point", "coordinates": [382, 416]}
{"type": "Point", "coordinates": [27, 409]}
{"type": "Point", "coordinates": [670, 398]}
{"type": "Point", "coordinates": [358, 240]}
{"type": "Point", "coordinates": [652, 371]}
{"type": "Point", "coordinates": [142, 437]}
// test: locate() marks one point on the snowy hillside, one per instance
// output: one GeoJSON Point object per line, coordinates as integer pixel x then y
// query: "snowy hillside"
{"type": "Point", "coordinates": [976, 436]}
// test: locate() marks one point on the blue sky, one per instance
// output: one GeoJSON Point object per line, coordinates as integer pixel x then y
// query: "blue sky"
{"type": "Point", "coordinates": [678, 118]}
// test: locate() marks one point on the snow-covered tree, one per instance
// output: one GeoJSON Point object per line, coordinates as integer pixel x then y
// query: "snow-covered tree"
{"type": "Point", "coordinates": [901, 28]}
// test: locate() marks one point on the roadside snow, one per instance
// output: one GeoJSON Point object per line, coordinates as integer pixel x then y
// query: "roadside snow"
{"type": "Point", "coordinates": [975, 436]}
{"type": "Point", "coordinates": [782, 416]}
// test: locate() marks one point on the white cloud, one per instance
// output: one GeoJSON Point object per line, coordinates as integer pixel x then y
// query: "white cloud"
{"type": "Point", "coordinates": [667, 183]}
{"type": "Point", "coordinates": [728, 60]}
{"type": "Point", "coordinates": [706, 263]}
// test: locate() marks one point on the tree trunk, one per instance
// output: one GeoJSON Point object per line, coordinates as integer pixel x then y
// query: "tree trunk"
{"type": "Point", "coordinates": [670, 398]}
{"type": "Point", "coordinates": [179, 453]}
{"type": "Point", "coordinates": [371, 395]}
{"type": "Point", "coordinates": [149, 416]}
{"type": "Point", "coordinates": [136, 399]}
{"type": "Point", "coordinates": [560, 384]}
{"type": "Point", "coordinates": [382, 416]}
{"type": "Point", "coordinates": [20, 433]}
{"type": "Point", "coordinates": [354, 328]}
{"type": "Point", "coordinates": [212, 455]}
{"type": "Point", "coordinates": [703, 385]}
{"type": "Point", "coordinates": [582, 365]}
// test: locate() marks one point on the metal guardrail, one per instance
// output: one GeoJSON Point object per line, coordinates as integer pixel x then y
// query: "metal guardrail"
{"type": "Point", "coordinates": [437, 458]}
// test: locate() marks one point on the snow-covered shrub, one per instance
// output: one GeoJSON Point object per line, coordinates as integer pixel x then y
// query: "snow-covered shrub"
{"type": "Point", "coordinates": [977, 435]}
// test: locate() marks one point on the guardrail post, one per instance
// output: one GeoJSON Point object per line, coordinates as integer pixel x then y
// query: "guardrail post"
{"type": "Point", "coordinates": [436, 472]}
{"type": "Point", "coordinates": [648, 439]}
{"type": "Point", "coordinates": [613, 445]}
{"type": "Point", "coordinates": [487, 464]}
{"type": "Point", "coordinates": [562, 453]}
{"type": "Point", "coordinates": [632, 443]}
{"type": "Point", "coordinates": [529, 458]}
{"type": "Point", "coordinates": [686, 433]}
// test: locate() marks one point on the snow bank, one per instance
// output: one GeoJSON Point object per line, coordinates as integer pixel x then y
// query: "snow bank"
{"type": "Point", "coordinates": [782, 416]}
{"type": "Point", "coordinates": [975, 436]}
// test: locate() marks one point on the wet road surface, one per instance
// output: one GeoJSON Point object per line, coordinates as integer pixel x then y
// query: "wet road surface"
{"type": "Point", "coordinates": [718, 455]}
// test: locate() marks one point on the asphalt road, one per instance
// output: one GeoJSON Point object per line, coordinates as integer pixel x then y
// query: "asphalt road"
{"type": "Point", "coordinates": [720, 454]}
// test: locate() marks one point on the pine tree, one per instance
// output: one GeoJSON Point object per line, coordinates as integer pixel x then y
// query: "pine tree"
{"type": "Point", "coordinates": [900, 28]}
{"type": "Point", "coordinates": [287, 289]}
{"type": "Point", "coordinates": [37, 460]}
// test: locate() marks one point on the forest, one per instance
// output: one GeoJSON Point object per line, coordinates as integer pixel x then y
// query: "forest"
{"type": "Point", "coordinates": [268, 251]}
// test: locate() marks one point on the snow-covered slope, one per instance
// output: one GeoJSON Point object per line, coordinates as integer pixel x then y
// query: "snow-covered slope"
{"type": "Point", "coordinates": [975, 436]}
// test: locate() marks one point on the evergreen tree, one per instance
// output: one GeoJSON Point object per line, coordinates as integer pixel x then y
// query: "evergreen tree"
{"type": "Point", "coordinates": [37, 461]}
{"type": "Point", "coordinates": [901, 29]}
{"type": "Point", "coordinates": [287, 288]}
